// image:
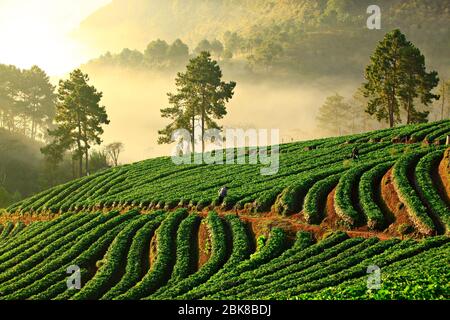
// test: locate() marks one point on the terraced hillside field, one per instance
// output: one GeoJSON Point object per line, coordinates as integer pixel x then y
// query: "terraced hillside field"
{"type": "Point", "coordinates": [155, 230]}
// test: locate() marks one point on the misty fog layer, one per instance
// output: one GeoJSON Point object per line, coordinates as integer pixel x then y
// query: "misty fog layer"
{"type": "Point", "coordinates": [133, 101]}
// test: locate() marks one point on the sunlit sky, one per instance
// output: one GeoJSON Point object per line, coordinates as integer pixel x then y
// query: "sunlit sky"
{"type": "Point", "coordinates": [38, 32]}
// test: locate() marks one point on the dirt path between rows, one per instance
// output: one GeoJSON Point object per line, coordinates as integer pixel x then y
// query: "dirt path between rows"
{"type": "Point", "coordinates": [394, 210]}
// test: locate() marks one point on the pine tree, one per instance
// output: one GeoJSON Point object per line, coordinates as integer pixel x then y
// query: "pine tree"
{"type": "Point", "coordinates": [416, 83]}
{"type": "Point", "coordinates": [334, 115]}
{"type": "Point", "coordinates": [395, 77]}
{"type": "Point", "coordinates": [201, 94]}
{"type": "Point", "coordinates": [79, 118]}
{"type": "Point", "coordinates": [39, 99]}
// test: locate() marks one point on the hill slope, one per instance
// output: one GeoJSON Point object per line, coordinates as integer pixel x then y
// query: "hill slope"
{"type": "Point", "coordinates": [308, 172]}
{"type": "Point", "coordinates": [307, 31]}
{"type": "Point", "coordinates": [154, 230]}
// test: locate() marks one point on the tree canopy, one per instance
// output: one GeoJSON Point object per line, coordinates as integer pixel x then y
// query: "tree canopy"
{"type": "Point", "coordinates": [79, 119]}
{"type": "Point", "coordinates": [396, 76]}
{"type": "Point", "coordinates": [27, 101]}
{"type": "Point", "coordinates": [201, 95]}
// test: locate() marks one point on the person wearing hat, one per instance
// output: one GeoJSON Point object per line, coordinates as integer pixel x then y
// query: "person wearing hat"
{"type": "Point", "coordinates": [223, 193]}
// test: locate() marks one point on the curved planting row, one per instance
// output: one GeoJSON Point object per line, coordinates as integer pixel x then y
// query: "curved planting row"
{"type": "Point", "coordinates": [270, 250]}
{"type": "Point", "coordinates": [350, 266]}
{"type": "Point", "coordinates": [302, 250]}
{"type": "Point", "coordinates": [403, 172]}
{"type": "Point", "coordinates": [44, 245]}
{"type": "Point", "coordinates": [112, 254]}
{"type": "Point", "coordinates": [308, 268]}
{"type": "Point", "coordinates": [113, 263]}
{"type": "Point", "coordinates": [159, 273]}
{"type": "Point", "coordinates": [346, 201]}
{"type": "Point", "coordinates": [218, 257]}
{"type": "Point", "coordinates": [368, 197]}
{"type": "Point", "coordinates": [429, 190]}
{"type": "Point", "coordinates": [406, 259]}
{"type": "Point", "coordinates": [97, 242]}
{"type": "Point", "coordinates": [138, 259]}
{"type": "Point", "coordinates": [316, 198]}
{"type": "Point", "coordinates": [160, 184]}
{"type": "Point", "coordinates": [6, 230]}
{"type": "Point", "coordinates": [37, 275]}
{"type": "Point", "coordinates": [36, 232]}
{"type": "Point", "coordinates": [432, 136]}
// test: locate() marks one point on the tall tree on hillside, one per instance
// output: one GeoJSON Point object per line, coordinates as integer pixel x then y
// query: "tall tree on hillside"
{"type": "Point", "coordinates": [201, 94]}
{"type": "Point", "coordinates": [266, 55]}
{"type": "Point", "coordinates": [395, 77]}
{"type": "Point", "coordinates": [384, 77]}
{"type": "Point", "coordinates": [9, 91]}
{"type": "Point", "coordinates": [156, 53]}
{"type": "Point", "coordinates": [113, 150]}
{"type": "Point", "coordinates": [39, 99]}
{"type": "Point", "coordinates": [27, 100]}
{"type": "Point", "coordinates": [232, 42]}
{"type": "Point", "coordinates": [99, 160]}
{"type": "Point", "coordinates": [178, 53]}
{"type": "Point", "coordinates": [444, 99]}
{"type": "Point", "coordinates": [360, 120]}
{"type": "Point", "coordinates": [416, 83]}
{"type": "Point", "coordinates": [217, 48]}
{"type": "Point", "coordinates": [334, 115]}
{"type": "Point", "coordinates": [79, 118]}
{"type": "Point", "coordinates": [203, 45]}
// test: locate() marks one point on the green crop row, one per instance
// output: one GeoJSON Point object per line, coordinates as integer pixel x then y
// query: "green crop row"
{"type": "Point", "coordinates": [403, 279]}
{"type": "Point", "coordinates": [241, 248]}
{"type": "Point", "coordinates": [217, 259]}
{"type": "Point", "coordinates": [384, 255]}
{"type": "Point", "coordinates": [31, 268]}
{"type": "Point", "coordinates": [34, 235]}
{"type": "Point", "coordinates": [408, 195]}
{"type": "Point", "coordinates": [368, 197]}
{"type": "Point", "coordinates": [6, 230]}
{"type": "Point", "coordinates": [51, 281]}
{"type": "Point", "coordinates": [15, 256]}
{"type": "Point", "coordinates": [274, 247]}
{"type": "Point", "coordinates": [427, 188]}
{"type": "Point", "coordinates": [114, 262]}
{"type": "Point", "coordinates": [308, 268]}
{"type": "Point", "coordinates": [18, 228]}
{"type": "Point", "coordinates": [445, 129]}
{"type": "Point", "coordinates": [160, 272]}
{"type": "Point", "coordinates": [292, 283]}
{"type": "Point", "coordinates": [137, 260]}
{"type": "Point", "coordinates": [346, 196]}
{"type": "Point", "coordinates": [316, 198]}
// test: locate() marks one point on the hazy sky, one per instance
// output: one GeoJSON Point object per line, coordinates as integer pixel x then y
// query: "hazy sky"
{"type": "Point", "coordinates": [37, 32]}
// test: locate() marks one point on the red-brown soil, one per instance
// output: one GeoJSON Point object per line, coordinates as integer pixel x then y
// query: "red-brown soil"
{"type": "Point", "coordinates": [204, 244]}
{"type": "Point", "coordinates": [331, 219]}
{"type": "Point", "coordinates": [392, 206]}
{"type": "Point", "coordinates": [27, 218]}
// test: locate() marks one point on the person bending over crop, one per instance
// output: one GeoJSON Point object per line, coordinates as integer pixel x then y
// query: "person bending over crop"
{"type": "Point", "coordinates": [355, 153]}
{"type": "Point", "coordinates": [223, 193]}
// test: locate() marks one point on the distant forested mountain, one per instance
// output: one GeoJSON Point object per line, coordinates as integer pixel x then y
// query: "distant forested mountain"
{"type": "Point", "coordinates": [301, 37]}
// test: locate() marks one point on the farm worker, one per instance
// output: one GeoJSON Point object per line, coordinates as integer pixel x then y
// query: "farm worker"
{"type": "Point", "coordinates": [355, 153]}
{"type": "Point", "coordinates": [222, 193]}
{"type": "Point", "coordinates": [447, 141]}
